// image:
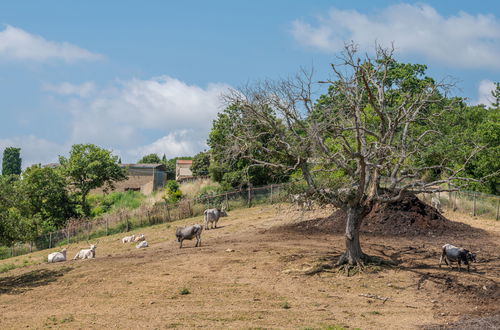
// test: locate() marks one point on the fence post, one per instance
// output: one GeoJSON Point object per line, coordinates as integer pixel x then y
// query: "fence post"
{"type": "Point", "coordinates": [227, 203]}
{"type": "Point", "coordinates": [498, 206]}
{"type": "Point", "coordinates": [50, 240]}
{"type": "Point", "coordinates": [88, 231]}
{"type": "Point", "coordinates": [249, 196]}
{"type": "Point", "coordinates": [474, 207]}
{"type": "Point", "coordinates": [106, 226]}
{"type": "Point", "coordinates": [271, 193]}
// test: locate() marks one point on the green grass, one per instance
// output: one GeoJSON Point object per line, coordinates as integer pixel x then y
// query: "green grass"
{"type": "Point", "coordinates": [285, 305]}
{"type": "Point", "coordinates": [6, 267]}
{"type": "Point", "coordinates": [184, 291]}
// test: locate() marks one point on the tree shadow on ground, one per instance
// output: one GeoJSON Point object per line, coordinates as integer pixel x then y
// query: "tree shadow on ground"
{"type": "Point", "coordinates": [24, 282]}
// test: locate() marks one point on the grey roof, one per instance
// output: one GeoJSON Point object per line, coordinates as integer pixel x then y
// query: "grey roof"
{"type": "Point", "coordinates": [145, 166]}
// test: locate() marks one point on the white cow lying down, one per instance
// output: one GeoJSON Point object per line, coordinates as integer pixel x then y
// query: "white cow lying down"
{"type": "Point", "coordinates": [142, 244]}
{"type": "Point", "coordinates": [140, 238]}
{"type": "Point", "coordinates": [128, 239]}
{"type": "Point", "coordinates": [86, 253]}
{"type": "Point", "coordinates": [57, 256]}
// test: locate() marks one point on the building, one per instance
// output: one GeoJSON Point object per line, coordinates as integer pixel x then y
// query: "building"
{"type": "Point", "coordinates": [145, 178]}
{"type": "Point", "coordinates": [183, 169]}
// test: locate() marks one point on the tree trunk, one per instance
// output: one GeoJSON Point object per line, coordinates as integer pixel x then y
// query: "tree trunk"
{"type": "Point", "coordinates": [353, 254]}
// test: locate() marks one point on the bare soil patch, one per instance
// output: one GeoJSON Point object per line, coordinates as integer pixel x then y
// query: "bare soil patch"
{"type": "Point", "coordinates": [250, 274]}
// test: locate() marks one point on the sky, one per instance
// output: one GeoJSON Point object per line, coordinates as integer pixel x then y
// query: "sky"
{"type": "Point", "coordinates": [141, 77]}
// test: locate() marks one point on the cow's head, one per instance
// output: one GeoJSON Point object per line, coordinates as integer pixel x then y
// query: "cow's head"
{"type": "Point", "coordinates": [178, 233]}
{"type": "Point", "coordinates": [471, 256]}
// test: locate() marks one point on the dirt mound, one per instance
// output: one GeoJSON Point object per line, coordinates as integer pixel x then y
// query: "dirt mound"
{"type": "Point", "coordinates": [408, 217]}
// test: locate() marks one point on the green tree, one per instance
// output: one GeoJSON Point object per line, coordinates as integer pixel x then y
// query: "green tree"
{"type": "Point", "coordinates": [150, 159]}
{"type": "Point", "coordinates": [233, 166]}
{"type": "Point", "coordinates": [201, 163]}
{"type": "Point", "coordinates": [10, 215]}
{"type": "Point", "coordinates": [89, 167]}
{"type": "Point", "coordinates": [496, 96]}
{"type": "Point", "coordinates": [11, 163]}
{"type": "Point", "coordinates": [172, 192]}
{"type": "Point", "coordinates": [47, 204]}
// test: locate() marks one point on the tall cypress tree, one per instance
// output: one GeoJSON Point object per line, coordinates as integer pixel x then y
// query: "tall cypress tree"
{"type": "Point", "coordinates": [11, 163]}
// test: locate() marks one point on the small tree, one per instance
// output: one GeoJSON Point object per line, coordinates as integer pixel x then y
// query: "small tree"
{"type": "Point", "coordinates": [375, 122]}
{"type": "Point", "coordinates": [89, 167]}
{"type": "Point", "coordinates": [150, 159]}
{"type": "Point", "coordinates": [47, 202]}
{"type": "Point", "coordinates": [11, 163]}
{"type": "Point", "coordinates": [201, 163]}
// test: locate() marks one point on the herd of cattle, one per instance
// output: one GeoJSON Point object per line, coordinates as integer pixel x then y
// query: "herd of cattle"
{"type": "Point", "coordinates": [449, 253]}
{"type": "Point", "coordinates": [211, 217]}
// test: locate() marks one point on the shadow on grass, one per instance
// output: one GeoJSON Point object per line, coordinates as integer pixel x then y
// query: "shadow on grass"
{"type": "Point", "coordinates": [22, 283]}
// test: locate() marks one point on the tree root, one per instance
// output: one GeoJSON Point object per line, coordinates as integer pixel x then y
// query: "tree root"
{"type": "Point", "coordinates": [351, 266]}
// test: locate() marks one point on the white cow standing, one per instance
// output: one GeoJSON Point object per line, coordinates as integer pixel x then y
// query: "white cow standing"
{"type": "Point", "coordinates": [212, 216]}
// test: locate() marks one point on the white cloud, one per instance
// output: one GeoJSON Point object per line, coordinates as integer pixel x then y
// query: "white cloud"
{"type": "Point", "coordinates": [19, 44]}
{"type": "Point", "coordinates": [171, 145]}
{"type": "Point", "coordinates": [35, 150]}
{"type": "Point", "coordinates": [65, 88]}
{"type": "Point", "coordinates": [136, 117]}
{"type": "Point", "coordinates": [463, 40]}
{"type": "Point", "coordinates": [484, 92]}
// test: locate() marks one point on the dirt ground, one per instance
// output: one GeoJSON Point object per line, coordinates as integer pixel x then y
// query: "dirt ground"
{"type": "Point", "coordinates": [250, 273]}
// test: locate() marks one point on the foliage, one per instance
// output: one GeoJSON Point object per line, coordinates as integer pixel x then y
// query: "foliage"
{"type": "Point", "coordinates": [465, 130]}
{"type": "Point", "coordinates": [11, 163]}
{"type": "Point", "coordinates": [150, 159]}
{"type": "Point", "coordinates": [201, 163]}
{"type": "Point", "coordinates": [46, 202]}
{"type": "Point", "coordinates": [10, 216]}
{"type": "Point", "coordinates": [89, 167]}
{"type": "Point", "coordinates": [237, 169]}
{"type": "Point", "coordinates": [172, 192]}
{"type": "Point", "coordinates": [101, 204]}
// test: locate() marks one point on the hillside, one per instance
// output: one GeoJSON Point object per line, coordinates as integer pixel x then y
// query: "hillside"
{"type": "Point", "coordinates": [259, 284]}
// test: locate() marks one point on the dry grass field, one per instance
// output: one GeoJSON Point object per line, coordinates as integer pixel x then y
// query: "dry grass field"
{"type": "Point", "coordinates": [249, 274]}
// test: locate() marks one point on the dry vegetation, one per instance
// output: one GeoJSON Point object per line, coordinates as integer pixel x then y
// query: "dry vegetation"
{"type": "Point", "coordinates": [261, 284]}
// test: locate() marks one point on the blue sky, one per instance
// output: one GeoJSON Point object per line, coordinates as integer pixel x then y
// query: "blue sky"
{"type": "Point", "coordinates": [145, 76]}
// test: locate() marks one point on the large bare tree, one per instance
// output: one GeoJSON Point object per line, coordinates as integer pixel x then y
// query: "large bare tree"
{"type": "Point", "coordinates": [368, 132]}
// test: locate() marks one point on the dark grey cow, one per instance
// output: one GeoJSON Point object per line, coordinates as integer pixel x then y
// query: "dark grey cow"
{"type": "Point", "coordinates": [452, 253]}
{"type": "Point", "coordinates": [189, 233]}
{"type": "Point", "coordinates": [212, 216]}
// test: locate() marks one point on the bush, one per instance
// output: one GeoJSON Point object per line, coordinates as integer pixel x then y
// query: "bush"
{"type": "Point", "coordinates": [172, 192]}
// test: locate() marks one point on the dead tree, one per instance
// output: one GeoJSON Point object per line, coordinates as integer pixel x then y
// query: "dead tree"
{"type": "Point", "coordinates": [372, 125]}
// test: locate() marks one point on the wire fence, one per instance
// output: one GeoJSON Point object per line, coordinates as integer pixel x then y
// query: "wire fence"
{"type": "Point", "coordinates": [474, 203]}
{"type": "Point", "coordinates": [124, 220]}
